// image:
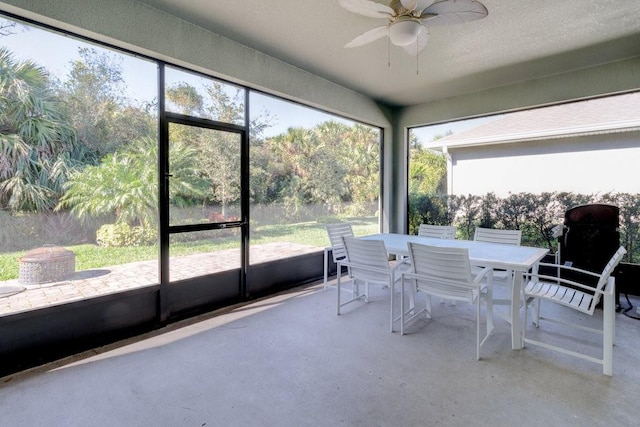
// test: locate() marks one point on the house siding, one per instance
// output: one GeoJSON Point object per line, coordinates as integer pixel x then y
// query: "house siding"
{"type": "Point", "coordinates": [587, 164]}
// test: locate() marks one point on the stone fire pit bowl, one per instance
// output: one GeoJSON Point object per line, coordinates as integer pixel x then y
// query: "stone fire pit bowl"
{"type": "Point", "coordinates": [46, 264]}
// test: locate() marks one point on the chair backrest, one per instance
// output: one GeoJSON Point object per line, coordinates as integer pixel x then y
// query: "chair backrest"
{"type": "Point", "coordinates": [336, 232]}
{"type": "Point", "coordinates": [365, 255]}
{"type": "Point", "coordinates": [491, 235]}
{"type": "Point", "coordinates": [437, 231]}
{"type": "Point", "coordinates": [442, 271]}
{"type": "Point", "coordinates": [604, 276]}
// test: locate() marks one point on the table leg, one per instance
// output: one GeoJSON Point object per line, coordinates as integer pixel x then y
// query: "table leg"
{"type": "Point", "coordinates": [516, 297]}
{"type": "Point", "coordinates": [326, 267]}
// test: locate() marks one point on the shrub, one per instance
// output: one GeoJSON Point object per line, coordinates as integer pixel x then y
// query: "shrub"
{"type": "Point", "coordinates": [535, 214]}
{"type": "Point", "coordinates": [429, 210]}
{"type": "Point", "coordinates": [121, 234]}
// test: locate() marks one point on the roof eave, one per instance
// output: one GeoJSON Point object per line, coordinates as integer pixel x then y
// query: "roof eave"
{"type": "Point", "coordinates": [620, 127]}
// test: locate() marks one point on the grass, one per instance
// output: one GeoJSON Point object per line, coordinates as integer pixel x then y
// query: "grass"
{"type": "Point", "coordinates": [90, 256]}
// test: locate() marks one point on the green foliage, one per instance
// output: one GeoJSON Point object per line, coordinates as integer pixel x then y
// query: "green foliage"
{"type": "Point", "coordinates": [535, 214]}
{"type": "Point", "coordinates": [424, 209]}
{"type": "Point", "coordinates": [125, 184]}
{"type": "Point", "coordinates": [218, 160]}
{"type": "Point", "coordinates": [427, 171]}
{"type": "Point", "coordinates": [37, 144]}
{"type": "Point", "coordinates": [103, 118]}
{"type": "Point", "coordinates": [332, 164]}
{"type": "Point", "coordinates": [121, 235]}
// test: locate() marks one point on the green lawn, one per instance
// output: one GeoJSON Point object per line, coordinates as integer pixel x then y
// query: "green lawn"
{"type": "Point", "coordinates": [91, 256]}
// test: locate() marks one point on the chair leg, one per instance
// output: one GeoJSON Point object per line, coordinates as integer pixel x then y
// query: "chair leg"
{"type": "Point", "coordinates": [489, 302]}
{"type": "Point", "coordinates": [338, 289]}
{"type": "Point", "coordinates": [478, 328]}
{"type": "Point", "coordinates": [391, 287]}
{"type": "Point", "coordinates": [489, 314]}
{"type": "Point", "coordinates": [524, 324]}
{"type": "Point", "coordinates": [401, 307]}
{"type": "Point", "coordinates": [536, 307]}
{"type": "Point", "coordinates": [412, 298]}
{"type": "Point", "coordinates": [612, 286]}
{"type": "Point", "coordinates": [608, 333]}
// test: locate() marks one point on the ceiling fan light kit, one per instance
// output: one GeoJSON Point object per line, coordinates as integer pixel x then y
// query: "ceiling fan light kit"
{"type": "Point", "coordinates": [403, 32]}
{"type": "Point", "coordinates": [407, 20]}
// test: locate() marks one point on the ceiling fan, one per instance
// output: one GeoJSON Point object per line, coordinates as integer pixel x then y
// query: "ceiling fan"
{"type": "Point", "coordinates": [408, 19]}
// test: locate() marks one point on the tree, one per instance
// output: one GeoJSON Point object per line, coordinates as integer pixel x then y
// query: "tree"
{"type": "Point", "coordinates": [186, 98]}
{"type": "Point", "coordinates": [362, 157]}
{"type": "Point", "coordinates": [104, 119]}
{"type": "Point", "coordinates": [427, 172]}
{"type": "Point", "coordinates": [218, 159]}
{"type": "Point", "coordinates": [125, 184]}
{"type": "Point", "coordinates": [38, 147]}
{"type": "Point", "coordinates": [291, 154]}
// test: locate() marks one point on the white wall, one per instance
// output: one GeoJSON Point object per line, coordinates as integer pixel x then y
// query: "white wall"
{"type": "Point", "coordinates": [588, 165]}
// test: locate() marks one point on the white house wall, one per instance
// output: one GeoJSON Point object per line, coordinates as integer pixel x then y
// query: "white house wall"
{"type": "Point", "coordinates": [588, 165]}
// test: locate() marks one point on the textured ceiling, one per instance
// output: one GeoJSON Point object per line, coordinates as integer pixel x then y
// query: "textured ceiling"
{"type": "Point", "coordinates": [519, 40]}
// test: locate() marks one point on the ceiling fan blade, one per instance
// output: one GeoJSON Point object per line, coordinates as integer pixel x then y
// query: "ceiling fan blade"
{"type": "Point", "coordinates": [416, 5]}
{"type": "Point", "coordinates": [369, 36]}
{"type": "Point", "coordinates": [449, 12]}
{"type": "Point", "coordinates": [421, 42]}
{"type": "Point", "coordinates": [367, 8]}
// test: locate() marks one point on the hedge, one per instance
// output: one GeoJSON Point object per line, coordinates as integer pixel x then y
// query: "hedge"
{"type": "Point", "coordinates": [535, 214]}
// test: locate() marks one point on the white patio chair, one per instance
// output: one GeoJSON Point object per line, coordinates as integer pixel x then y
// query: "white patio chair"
{"type": "Point", "coordinates": [335, 232]}
{"type": "Point", "coordinates": [493, 235]}
{"type": "Point", "coordinates": [580, 297]}
{"type": "Point", "coordinates": [446, 273]}
{"type": "Point", "coordinates": [368, 263]}
{"type": "Point", "coordinates": [437, 231]}
{"type": "Point", "coordinates": [504, 237]}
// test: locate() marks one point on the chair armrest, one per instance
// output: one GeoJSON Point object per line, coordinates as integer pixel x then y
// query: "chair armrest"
{"type": "Point", "coordinates": [567, 268]}
{"type": "Point", "coordinates": [535, 278]}
{"type": "Point", "coordinates": [380, 270]}
{"type": "Point", "coordinates": [440, 280]}
{"type": "Point", "coordinates": [482, 274]}
{"type": "Point", "coordinates": [401, 264]}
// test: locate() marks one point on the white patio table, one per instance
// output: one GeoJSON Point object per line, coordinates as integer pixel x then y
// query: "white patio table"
{"type": "Point", "coordinates": [520, 259]}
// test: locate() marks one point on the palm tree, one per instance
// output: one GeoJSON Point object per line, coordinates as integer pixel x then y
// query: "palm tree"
{"type": "Point", "coordinates": [125, 184]}
{"type": "Point", "coordinates": [37, 144]}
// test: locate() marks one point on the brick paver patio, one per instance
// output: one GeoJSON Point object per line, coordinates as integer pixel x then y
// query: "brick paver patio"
{"type": "Point", "coordinates": [97, 282]}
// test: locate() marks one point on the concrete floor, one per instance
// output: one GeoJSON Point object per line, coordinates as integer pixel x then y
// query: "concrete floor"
{"type": "Point", "coordinates": [288, 360]}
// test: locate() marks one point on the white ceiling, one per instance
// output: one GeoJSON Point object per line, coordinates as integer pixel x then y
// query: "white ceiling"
{"type": "Point", "coordinates": [519, 40]}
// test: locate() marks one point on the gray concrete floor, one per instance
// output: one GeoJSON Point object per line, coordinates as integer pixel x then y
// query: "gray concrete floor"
{"type": "Point", "coordinates": [288, 360]}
